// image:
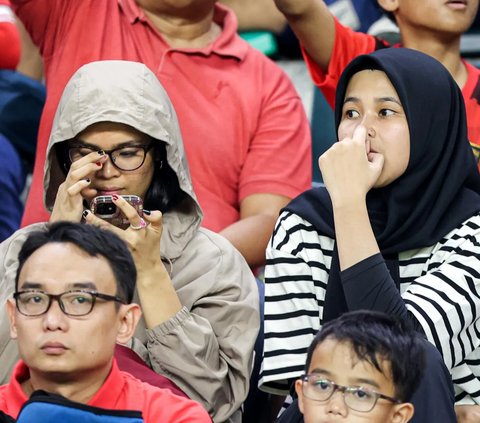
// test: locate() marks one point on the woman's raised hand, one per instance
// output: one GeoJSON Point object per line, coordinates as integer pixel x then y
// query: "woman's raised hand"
{"type": "Point", "coordinates": [144, 242]}
{"type": "Point", "coordinates": [349, 169]}
{"type": "Point", "coordinates": [69, 200]}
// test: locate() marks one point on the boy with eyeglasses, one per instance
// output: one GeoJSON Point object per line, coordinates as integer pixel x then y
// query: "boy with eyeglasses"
{"type": "Point", "coordinates": [73, 303]}
{"type": "Point", "coordinates": [362, 367]}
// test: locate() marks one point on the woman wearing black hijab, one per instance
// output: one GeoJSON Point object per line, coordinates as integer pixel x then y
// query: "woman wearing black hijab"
{"type": "Point", "coordinates": [397, 228]}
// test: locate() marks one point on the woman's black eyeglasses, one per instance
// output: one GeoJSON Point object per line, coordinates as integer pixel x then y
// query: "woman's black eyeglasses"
{"type": "Point", "coordinates": [124, 158]}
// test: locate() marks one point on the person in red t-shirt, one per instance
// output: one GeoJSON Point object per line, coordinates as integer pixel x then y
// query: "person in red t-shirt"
{"type": "Point", "coordinates": [73, 303]}
{"type": "Point", "coordinates": [430, 26]}
{"type": "Point", "coordinates": [246, 133]}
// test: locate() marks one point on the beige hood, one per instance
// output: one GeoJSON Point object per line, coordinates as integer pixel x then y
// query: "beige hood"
{"type": "Point", "coordinates": [128, 93]}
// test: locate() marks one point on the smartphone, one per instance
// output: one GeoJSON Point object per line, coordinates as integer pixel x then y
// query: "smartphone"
{"type": "Point", "coordinates": [104, 208]}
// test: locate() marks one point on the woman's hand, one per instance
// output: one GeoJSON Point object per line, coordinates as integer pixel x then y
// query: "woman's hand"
{"type": "Point", "coordinates": [468, 413]}
{"type": "Point", "coordinates": [349, 169]}
{"type": "Point", "coordinates": [144, 243]}
{"type": "Point", "coordinates": [158, 297]}
{"type": "Point", "coordinates": [69, 200]}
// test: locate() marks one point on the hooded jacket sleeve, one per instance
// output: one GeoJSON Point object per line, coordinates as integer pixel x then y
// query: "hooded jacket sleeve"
{"type": "Point", "coordinates": [207, 349]}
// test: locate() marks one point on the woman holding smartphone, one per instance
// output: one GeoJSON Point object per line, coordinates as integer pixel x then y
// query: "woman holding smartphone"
{"type": "Point", "coordinates": [116, 133]}
{"type": "Point", "coordinates": [396, 228]}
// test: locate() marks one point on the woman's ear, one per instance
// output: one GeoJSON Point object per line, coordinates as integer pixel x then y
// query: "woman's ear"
{"type": "Point", "coordinates": [402, 413]}
{"type": "Point", "coordinates": [389, 5]}
{"type": "Point", "coordinates": [129, 316]}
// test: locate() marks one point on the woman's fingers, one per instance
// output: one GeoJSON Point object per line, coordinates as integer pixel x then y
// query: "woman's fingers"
{"type": "Point", "coordinates": [93, 157]}
{"type": "Point", "coordinates": [96, 221]}
{"type": "Point", "coordinates": [76, 188]}
{"type": "Point", "coordinates": [360, 134]}
{"type": "Point", "coordinates": [128, 210]}
{"type": "Point", "coordinates": [84, 171]}
{"type": "Point", "coordinates": [155, 218]}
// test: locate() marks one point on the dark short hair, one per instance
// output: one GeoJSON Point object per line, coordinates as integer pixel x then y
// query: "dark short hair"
{"type": "Point", "coordinates": [95, 242]}
{"type": "Point", "coordinates": [373, 336]}
{"type": "Point", "coordinates": [164, 192]}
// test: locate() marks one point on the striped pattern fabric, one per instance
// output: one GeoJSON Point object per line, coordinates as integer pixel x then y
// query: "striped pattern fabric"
{"type": "Point", "coordinates": [439, 284]}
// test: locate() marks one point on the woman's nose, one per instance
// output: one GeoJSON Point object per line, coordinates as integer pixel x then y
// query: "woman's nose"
{"type": "Point", "coordinates": [108, 169]}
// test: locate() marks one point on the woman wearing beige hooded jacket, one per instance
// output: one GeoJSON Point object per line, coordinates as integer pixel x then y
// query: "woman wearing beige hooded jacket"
{"type": "Point", "coordinates": [116, 133]}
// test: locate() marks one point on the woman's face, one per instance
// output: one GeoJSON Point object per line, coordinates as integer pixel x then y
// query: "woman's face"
{"type": "Point", "coordinates": [109, 179]}
{"type": "Point", "coordinates": [371, 101]}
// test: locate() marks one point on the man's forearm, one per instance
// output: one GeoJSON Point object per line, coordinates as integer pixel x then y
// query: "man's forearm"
{"type": "Point", "coordinates": [250, 236]}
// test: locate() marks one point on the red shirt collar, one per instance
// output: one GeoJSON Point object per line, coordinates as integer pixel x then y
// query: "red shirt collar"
{"type": "Point", "coordinates": [106, 397]}
{"type": "Point", "coordinates": [227, 44]}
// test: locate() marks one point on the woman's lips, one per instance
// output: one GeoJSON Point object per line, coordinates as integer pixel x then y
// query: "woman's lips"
{"type": "Point", "coordinates": [109, 191]}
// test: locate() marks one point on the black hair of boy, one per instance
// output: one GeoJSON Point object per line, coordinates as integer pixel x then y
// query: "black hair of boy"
{"type": "Point", "coordinates": [378, 338]}
{"type": "Point", "coordinates": [95, 242]}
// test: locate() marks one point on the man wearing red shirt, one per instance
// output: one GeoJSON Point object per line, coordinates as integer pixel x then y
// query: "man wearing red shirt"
{"type": "Point", "coordinates": [246, 134]}
{"type": "Point", "coordinates": [73, 303]}
{"type": "Point", "coordinates": [433, 27]}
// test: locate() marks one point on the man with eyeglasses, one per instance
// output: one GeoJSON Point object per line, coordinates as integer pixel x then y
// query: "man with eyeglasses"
{"type": "Point", "coordinates": [73, 303]}
{"type": "Point", "coordinates": [364, 367]}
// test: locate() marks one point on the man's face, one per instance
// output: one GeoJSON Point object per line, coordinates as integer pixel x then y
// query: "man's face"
{"type": "Point", "coordinates": [439, 16]}
{"type": "Point", "coordinates": [338, 363]}
{"type": "Point", "coordinates": [56, 344]}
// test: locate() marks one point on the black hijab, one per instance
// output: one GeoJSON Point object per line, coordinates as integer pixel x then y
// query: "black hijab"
{"type": "Point", "coordinates": [440, 188]}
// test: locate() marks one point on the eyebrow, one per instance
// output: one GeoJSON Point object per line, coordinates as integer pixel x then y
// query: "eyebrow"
{"type": "Point", "coordinates": [32, 285]}
{"type": "Point", "coordinates": [362, 380]}
{"type": "Point", "coordinates": [76, 285]}
{"type": "Point", "coordinates": [83, 285]}
{"type": "Point", "coordinates": [356, 381]}
{"type": "Point", "coordinates": [377, 100]}
{"type": "Point", "coordinates": [131, 143]}
{"type": "Point", "coordinates": [322, 371]}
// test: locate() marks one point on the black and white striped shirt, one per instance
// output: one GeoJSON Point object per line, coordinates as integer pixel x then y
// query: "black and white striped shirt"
{"type": "Point", "coordinates": [440, 286]}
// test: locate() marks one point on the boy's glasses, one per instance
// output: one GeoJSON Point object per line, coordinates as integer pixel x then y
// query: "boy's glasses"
{"type": "Point", "coordinates": [72, 303]}
{"type": "Point", "coordinates": [125, 158]}
{"type": "Point", "coordinates": [317, 388]}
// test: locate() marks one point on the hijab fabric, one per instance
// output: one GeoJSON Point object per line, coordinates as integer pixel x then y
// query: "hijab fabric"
{"type": "Point", "coordinates": [440, 188]}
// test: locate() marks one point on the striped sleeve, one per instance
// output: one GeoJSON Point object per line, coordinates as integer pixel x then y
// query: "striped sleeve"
{"type": "Point", "coordinates": [446, 301]}
{"type": "Point", "coordinates": [296, 275]}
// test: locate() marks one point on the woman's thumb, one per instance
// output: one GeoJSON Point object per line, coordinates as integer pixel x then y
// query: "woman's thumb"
{"type": "Point", "coordinates": [155, 218]}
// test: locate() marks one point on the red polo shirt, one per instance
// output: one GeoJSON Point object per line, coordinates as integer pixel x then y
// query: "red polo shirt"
{"type": "Point", "coordinates": [121, 391]}
{"type": "Point", "coordinates": [350, 44]}
{"type": "Point", "coordinates": [10, 45]}
{"type": "Point", "coordinates": [243, 124]}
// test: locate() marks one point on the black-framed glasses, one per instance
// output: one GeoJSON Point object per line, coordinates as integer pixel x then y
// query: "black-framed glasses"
{"type": "Point", "coordinates": [72, 303]}
{"type": "Point", "coordinates": [318, 388]}
{"type": "Point", "coordinates": [124, 158]}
